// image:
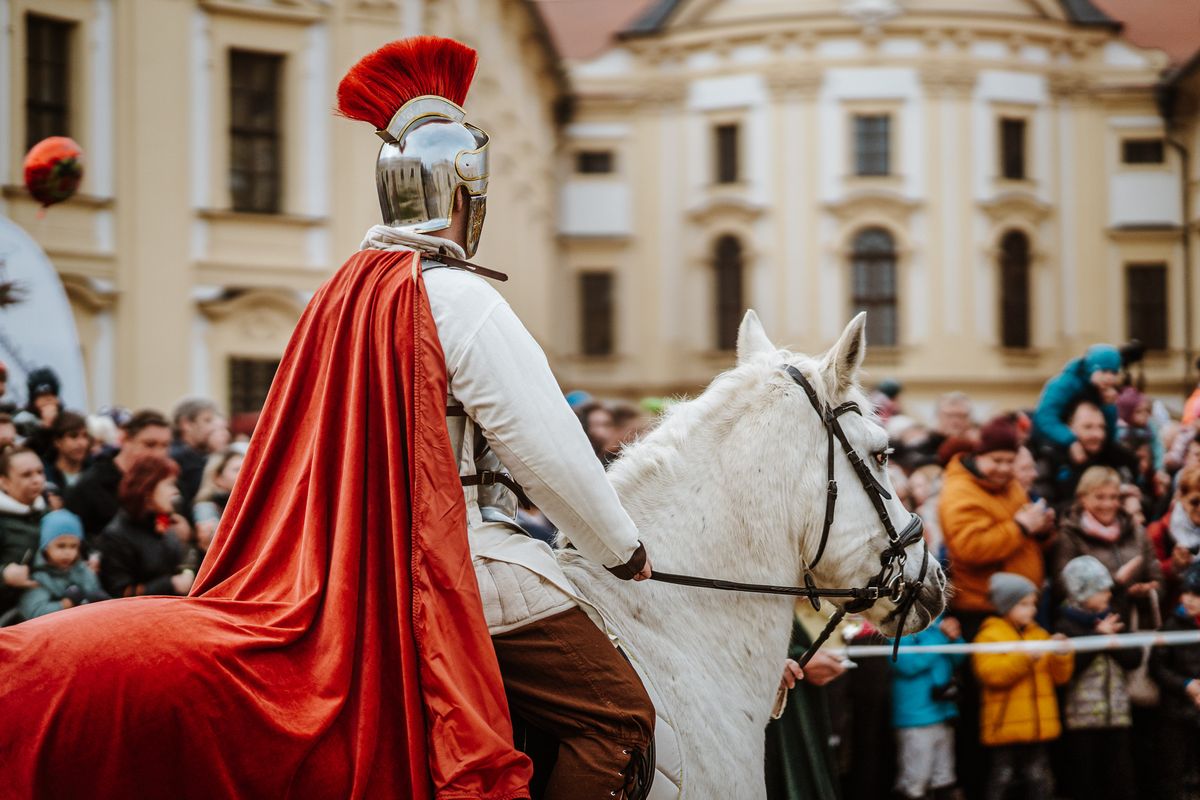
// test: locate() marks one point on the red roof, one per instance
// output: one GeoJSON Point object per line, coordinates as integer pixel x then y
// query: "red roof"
{"type": "Point", "coordinates": [584, 28]}
{"type": "Point", "coordinates": [1172, 26]}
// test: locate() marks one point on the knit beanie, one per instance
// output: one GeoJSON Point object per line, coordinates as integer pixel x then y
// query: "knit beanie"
{"type": "Point", "coordinates": [999, 434]}
{"type": "Point", "coordinates": [1085, 576]}
{"type": "Point", "coordinates": [1191, 579]}
{"type": "Point", "coordinates": [60, 523]}
{"type": "Point", "coordinates": [1102, 356]}
{"type": "Point", "coordinates": [1006, 589]}
{"type": "Point", "coordinates": [1127, 402]}
{"type": "Point", "coordinates": [42, 381]}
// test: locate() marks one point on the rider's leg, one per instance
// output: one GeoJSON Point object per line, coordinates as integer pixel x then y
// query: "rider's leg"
{"type": "Point", "coordinates": [564, 676]}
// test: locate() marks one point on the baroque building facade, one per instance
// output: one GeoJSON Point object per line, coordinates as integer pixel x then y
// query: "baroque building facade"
{"type": "Point", "coordinates": [993, 182]}
{"type": "Point", "coordinates": [220, 189]}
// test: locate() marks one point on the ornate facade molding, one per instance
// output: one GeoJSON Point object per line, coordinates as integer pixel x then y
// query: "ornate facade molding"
{"type": "Point", "coordinates": [949, 80]}
{"type": "Point", "coordinates": [725, 209]}
{"type": "Point", "coordinates": [1016, 205]}
{"type": "Point", "coordinates": [875, 204]}
{"type": "Point", "coordinates": [801, 83]}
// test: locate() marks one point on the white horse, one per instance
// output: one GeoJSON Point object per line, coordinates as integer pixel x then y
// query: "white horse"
{"type": "Point", "coordinates": [732, 485]}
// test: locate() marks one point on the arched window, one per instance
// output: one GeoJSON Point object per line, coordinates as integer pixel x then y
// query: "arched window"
{"type": "Point", "coordinates": [727, 264]}
{"type": "Point", "coordinates": [1014, 290]}
{"type": "Point", "coordinates": [873, 267]}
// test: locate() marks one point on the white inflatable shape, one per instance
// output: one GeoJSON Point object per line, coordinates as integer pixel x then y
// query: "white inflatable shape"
{"type": "Point", "coordinates": [39, 331]}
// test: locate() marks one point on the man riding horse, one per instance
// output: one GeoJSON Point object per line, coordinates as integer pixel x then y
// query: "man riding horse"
{"type": "Point", "coordinates": [505, 411]}
{"type": "Point", "coordinates": [334, 644]}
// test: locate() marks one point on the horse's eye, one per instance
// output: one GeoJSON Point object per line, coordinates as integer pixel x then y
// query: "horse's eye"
{"type": "Point", "coordinates": [881, 458]}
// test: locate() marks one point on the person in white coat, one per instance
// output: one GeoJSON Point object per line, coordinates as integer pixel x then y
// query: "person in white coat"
{"type": "Point", "coordinates": [507, 417]}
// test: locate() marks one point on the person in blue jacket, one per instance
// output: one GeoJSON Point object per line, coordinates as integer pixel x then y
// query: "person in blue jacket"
{"type": "Point", "coordinates": [1093, 378]}
{"type": "Point", "coordinates": [924, 691]}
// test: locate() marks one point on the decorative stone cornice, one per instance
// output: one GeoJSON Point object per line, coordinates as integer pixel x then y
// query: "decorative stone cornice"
{"type": "Point", "coordinates": [258, 311]}
{"type": "Point", "coordinates": [1016, 205]}
{"type": "Point", "coordinates": [956, 81]}
{"type": "Point", "coordinates": [665, 94]}
{"type": "Point", "coordinates": [87, 292]}
{"type": "Point", "coordinates": [1068, 85]}
{"type": "Point", "coordinates": [876, 204]}
{"type": "Point", "coordinates": [725, 208]}
{"type": "Point", "coordinates": [795, 84]}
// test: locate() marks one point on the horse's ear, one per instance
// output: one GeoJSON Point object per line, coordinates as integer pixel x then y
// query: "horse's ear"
{"type": "Point", "coordinates": [752, 339]}
{"type": "Point", "coordinates": [844, 359]}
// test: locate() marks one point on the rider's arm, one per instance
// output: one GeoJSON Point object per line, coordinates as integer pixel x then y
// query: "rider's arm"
{"type": "Point", "coordinates": [501, 377]}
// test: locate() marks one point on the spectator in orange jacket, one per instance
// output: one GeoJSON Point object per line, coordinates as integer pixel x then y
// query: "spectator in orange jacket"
{"type": "Point", "coordinates": [989, 524]}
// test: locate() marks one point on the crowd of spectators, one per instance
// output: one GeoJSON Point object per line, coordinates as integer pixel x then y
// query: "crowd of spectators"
{"type": "Point", "coordinates": [116, 504]}
{"type": "Point", "coordinates": [1079, 516]}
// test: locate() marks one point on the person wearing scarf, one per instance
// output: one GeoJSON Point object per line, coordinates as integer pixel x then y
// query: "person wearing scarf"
{"type": "Point", "coordinates": [1176, 536]}
{"type": "Point", "coordinates": [1098, 526]}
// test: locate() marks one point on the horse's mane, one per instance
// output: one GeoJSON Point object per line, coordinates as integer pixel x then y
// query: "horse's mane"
{"type": "Point", "coordinates": [654, 456]}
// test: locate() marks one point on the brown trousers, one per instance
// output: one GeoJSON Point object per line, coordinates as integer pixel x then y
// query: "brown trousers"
{"type": "Point", "coordinates": [564, 676]}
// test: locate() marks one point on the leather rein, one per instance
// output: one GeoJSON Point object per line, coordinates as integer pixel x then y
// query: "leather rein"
{"type": "Point", "coordinates": [888, 583]}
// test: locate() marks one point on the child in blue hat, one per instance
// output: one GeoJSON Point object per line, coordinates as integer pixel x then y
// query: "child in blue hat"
{"type": "Point", "coordinates": [64, 578]}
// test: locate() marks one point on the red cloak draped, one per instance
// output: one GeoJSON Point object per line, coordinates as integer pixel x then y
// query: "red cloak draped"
{"type": "Point", "coordinates": [334, 644]}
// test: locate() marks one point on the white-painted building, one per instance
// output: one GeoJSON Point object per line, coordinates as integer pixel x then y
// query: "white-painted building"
{"type": "Point", "coordinates": [989, 179]}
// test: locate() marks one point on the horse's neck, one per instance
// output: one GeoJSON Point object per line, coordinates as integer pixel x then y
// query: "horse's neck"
{"type": "Point", "coordinates": [696, 521]}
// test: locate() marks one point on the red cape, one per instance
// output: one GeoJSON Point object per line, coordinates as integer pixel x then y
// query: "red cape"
{"type": "Point", "coordinates": [334, 644]}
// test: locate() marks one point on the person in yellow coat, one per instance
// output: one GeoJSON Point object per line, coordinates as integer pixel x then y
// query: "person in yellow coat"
{"type": "Point", "coordinates": [1020, 710]}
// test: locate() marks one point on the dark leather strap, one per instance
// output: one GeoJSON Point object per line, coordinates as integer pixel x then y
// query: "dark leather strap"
{"type": "Point", "coordinates": [489, 478]}
{"type": "Point", "coordinates": [455, 411]}
{"type": "Point", "coordinates": [457, 263]}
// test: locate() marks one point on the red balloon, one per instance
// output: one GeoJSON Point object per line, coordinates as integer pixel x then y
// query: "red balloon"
{"type": "Point", "coordinates": [53, 169]}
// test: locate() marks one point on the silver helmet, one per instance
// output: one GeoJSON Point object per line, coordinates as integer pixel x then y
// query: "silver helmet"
{"type": "Point", "coordinates": [429, 152]}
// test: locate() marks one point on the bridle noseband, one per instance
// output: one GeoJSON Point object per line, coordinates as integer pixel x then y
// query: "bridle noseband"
{"type": "Point", "coordinates": [889, 583]}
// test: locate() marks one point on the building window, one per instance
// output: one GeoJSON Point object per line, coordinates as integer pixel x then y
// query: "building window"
{"type": "Point", "coordinates": [1012, 149]}
{"type": "Point", "coordinates": [874, 284]}
{"type": "Point", "coordinates": [249, 382]}
{"type": "Point", "coordinates": [1142, 151]}
{"type": "Point", "coordinates": [1014, 289]}
{"type": "Point", "coordinates": [596, 303]}
{"type": "Point", "coordinates": [255, 148]}
{"type": "Point", "coordinates": [1146, 304]}
{"type": "Point", "coordinates": [727, 263]}
{"type": "Point", "coordinates": [47, 78]}
{"type": "Point", "coordinates": [594, 162]}
{"type": "Point", "coordinates": [872, 144]}
{"type": "Point", "coordinates": [725, 138]}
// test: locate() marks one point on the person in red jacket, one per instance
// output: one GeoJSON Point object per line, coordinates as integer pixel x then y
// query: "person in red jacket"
{"type": "Point", "coordinates": [1176, 536]}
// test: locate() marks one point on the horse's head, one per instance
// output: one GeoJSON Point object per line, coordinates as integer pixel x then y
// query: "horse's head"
{"type": "Point", "coordinates": [857, 536]}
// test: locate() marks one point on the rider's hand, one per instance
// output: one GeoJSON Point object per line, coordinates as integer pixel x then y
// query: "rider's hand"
{"type": "Point", "coordinates": [636, 568]}
{"type": "Point", "coordinates": [645, 572]}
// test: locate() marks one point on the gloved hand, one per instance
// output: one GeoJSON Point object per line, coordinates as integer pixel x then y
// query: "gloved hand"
{"type": "Point", "coordinates": [636, 568]}
{"type": "Point", "coordinates": [74, 594]}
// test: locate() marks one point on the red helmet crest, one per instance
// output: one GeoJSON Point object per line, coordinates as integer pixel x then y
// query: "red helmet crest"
{"type": "Point", "coordinates": [383, 81]}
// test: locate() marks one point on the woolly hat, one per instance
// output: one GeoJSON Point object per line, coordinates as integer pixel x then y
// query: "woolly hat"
{"type": "Point", "coordinates": [890, 387]}
{"type": "Point", "coordinates": [1102, 356]}
{"type": "Point", "coordinates": [60, 523]}
{"type": "Point", "coordinates": [999, 434]}
{"type": "Point", "coordinates": [1085, 576]}
{"type": "Point", "coordinates": [42, 381]}
{"type": "Point", "coordinates": [1127, 402]}
{"type": "Point", "coordinates": [1006, 589]}
{"type": "Point", "coordinates": [1191, 579]}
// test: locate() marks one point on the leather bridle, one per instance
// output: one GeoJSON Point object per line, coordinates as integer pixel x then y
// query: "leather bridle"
{"type": "Point", "coordinates": [888, 583]}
